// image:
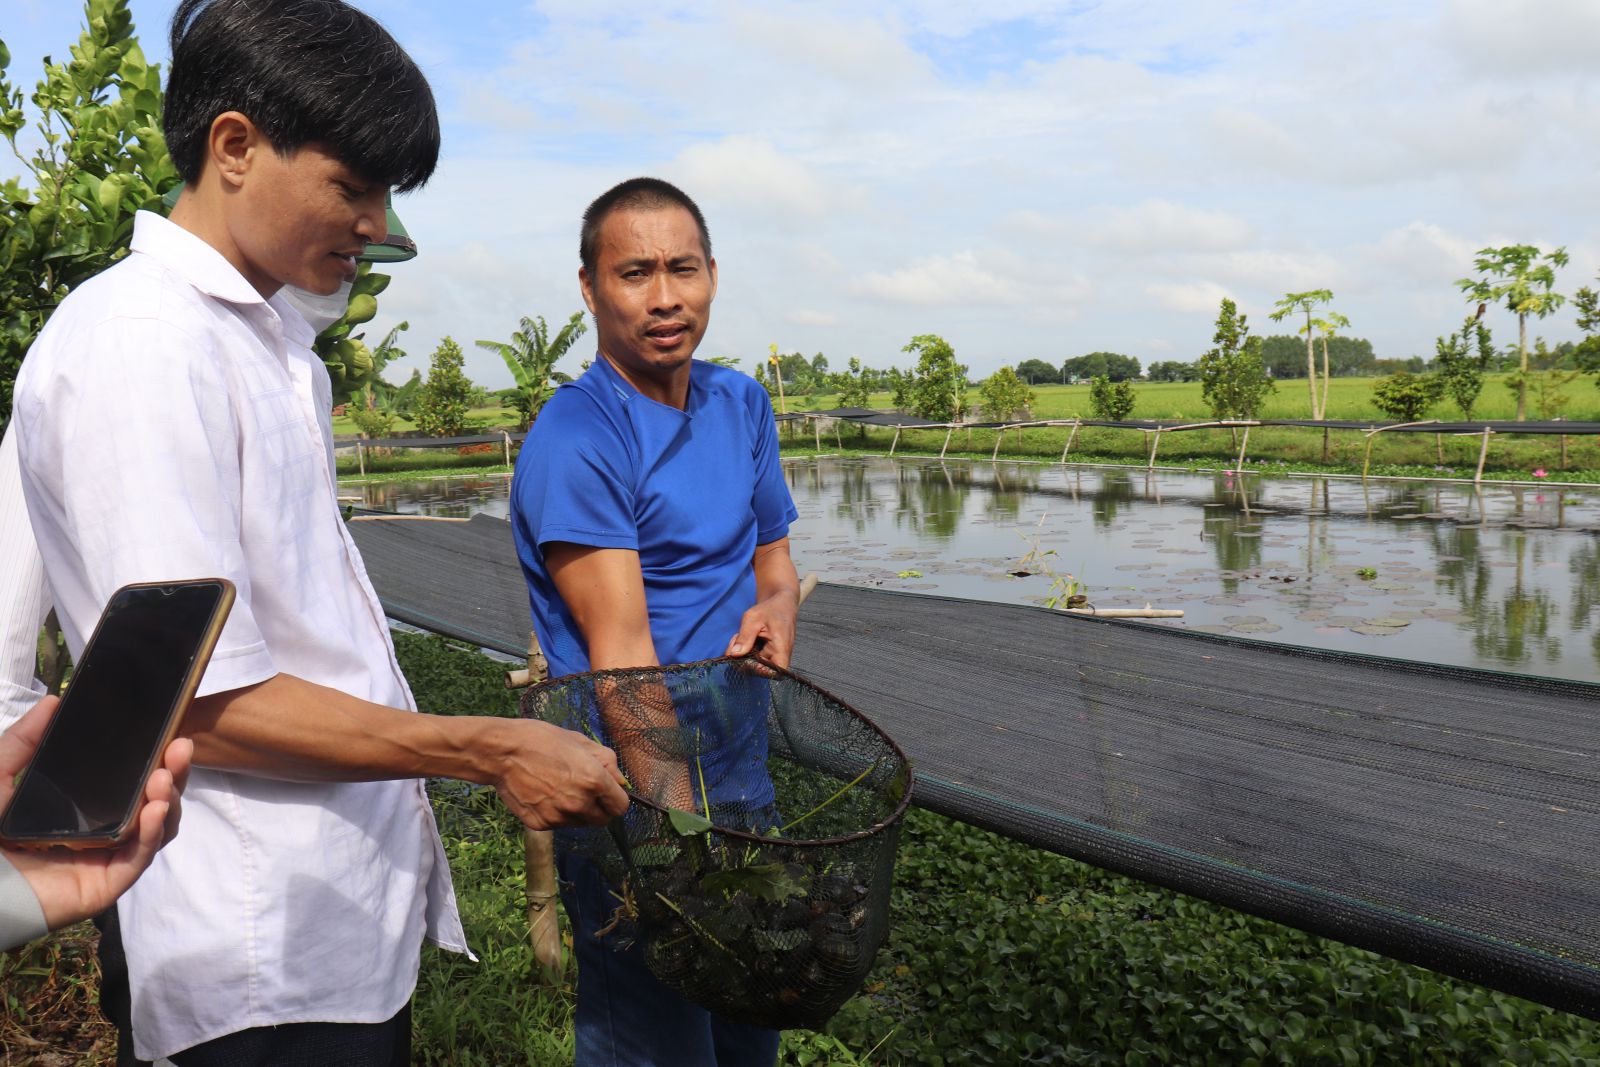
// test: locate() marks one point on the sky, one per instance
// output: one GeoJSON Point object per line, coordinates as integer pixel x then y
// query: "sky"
{"type": "Point", "coordinates": [1026, 179]}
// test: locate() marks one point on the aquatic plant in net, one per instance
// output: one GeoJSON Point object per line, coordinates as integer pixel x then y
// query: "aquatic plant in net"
{"type": "Point", "coordinates": [753, 867]}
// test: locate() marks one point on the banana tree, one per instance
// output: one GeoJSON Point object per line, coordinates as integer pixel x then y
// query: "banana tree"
{"type": "Point", "coordinates": [531, 357]}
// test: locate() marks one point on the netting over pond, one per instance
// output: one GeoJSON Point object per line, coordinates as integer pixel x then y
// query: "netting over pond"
{"type": "Point", "coordinates": [1444, 816]}
{"type": "Point", "coordinates": [754, 865]}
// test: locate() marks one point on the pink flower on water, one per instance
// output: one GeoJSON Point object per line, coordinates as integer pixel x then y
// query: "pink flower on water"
{"type": "Point", "coordinates": [1540, 473]}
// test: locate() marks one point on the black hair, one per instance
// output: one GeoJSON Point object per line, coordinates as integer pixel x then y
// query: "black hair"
{"type": "Point", "coordinates": [648, 193]}
{"type": "Point", "coordinates": [302, 71]}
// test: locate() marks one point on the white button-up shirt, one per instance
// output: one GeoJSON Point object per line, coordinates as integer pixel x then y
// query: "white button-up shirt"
{"type": "Point", "coordinates": [176, 425]}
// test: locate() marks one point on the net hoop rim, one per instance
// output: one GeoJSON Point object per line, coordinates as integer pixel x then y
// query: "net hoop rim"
{"type": "Point", "coordinates": [762, 666]}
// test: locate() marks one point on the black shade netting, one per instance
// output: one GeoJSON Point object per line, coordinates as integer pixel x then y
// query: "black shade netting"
{"type": "Point", "coordinates": [754, 865]}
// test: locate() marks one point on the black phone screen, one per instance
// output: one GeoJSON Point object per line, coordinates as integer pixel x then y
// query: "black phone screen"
{"type": "Point", "coordinates": [89, 772]}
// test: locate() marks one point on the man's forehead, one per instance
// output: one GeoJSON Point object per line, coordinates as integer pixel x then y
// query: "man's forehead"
{"type": "Point", "coordinates": [627, 229]}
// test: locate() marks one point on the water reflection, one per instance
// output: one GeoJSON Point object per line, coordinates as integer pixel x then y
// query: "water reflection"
{"type": "Point", "coordinates": [1506, 578]}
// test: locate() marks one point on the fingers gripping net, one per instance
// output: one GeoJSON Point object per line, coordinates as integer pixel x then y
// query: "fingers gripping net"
{"type": "Point", "coordinates": [754, 866]}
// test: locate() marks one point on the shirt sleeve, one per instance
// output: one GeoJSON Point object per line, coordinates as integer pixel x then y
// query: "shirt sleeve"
{"type": "Point", "coordinates": [24, 599]}
{"type": "Point", "coordinates": [21, 917]}
{"type": "Point", "coordinates": [131, 468]}
{"type": "Point", "coordinates": [579, 484]}
{"type": "Point", "coordinates": [773, 506]}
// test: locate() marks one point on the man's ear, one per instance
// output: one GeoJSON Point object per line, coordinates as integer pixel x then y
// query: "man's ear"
{"type": "Point", "coordinates": [231, 147]}
{"type": "Point", "coordinates": [712, 267]}
{"type": "Point", "coordinates": [586, 286]}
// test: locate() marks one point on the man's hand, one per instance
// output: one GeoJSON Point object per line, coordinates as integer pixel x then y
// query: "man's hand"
{"type": "Point", "coordinates": [550, 777]}
{"type": "Point", "coordinates": [768, 627]}
{"type": "Point", "coordinates": [75, 885]}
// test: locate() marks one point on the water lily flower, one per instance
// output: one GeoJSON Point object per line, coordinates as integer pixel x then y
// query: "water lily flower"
{"type": "Point", "coordinates": [1540, 473]}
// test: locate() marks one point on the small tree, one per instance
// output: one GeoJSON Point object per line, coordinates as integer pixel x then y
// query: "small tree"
{"type": "Point", "coordinates": [1306, 303]}
{"type": "Point", "coordinates": [939, 391]}
{"type": "Point", "coordinates": [1516, 275]}
{"type": "Point", "coordinates": [1404, 396]}
{"type": "Point", "coordinates": [854, 386]}
{"type": "Point", "coordinates": [1462, 359]}
{"type": "Point", "coordinates": [102, 159]}
{"type": "Point", "coordinates": [1110, 401]}
{"type": "Point", "coordinates": [1549, 381]}
{"type": "Point", "coordinates": [1004, 395]}
{"type": "Point", "coordinates": [1035, 371]}
{"type": "Point", "coordinates": [442, 408]}
{"type": "Point", "coordinates": [900, 384]}
{"type": "Point", "coordinates": [1233, 380]}
{"type": "Point", "coordinates": [531, 357]}
{"type": "Point", "coordinates": [1587, 355]}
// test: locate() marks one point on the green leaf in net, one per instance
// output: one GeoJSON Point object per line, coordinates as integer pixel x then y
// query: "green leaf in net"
{"type": "Point", "coordinates": [688, 823]}
{"type": "Point", "coordinates": [766, 881]}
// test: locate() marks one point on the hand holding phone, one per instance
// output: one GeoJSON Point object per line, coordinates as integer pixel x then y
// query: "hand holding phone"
{"type": "Point", "coordinates": [86, 783]}
{"type": "Point", "coordinates": [74, 885]}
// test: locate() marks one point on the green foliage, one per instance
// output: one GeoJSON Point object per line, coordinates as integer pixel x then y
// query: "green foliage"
{"type": "Point", "coordinates": [900, 385]}
{"type": "Point", "coordinates": [1111, 365]}
{"type": "Point", "coordinates": [1037, 371]}
{"type": "Point", "coordinates": [531, 357]}
{"type": "Point", "coordinates": [102, 159]}
{"type": "Point", "coordinates": [1549, 381]}
{"type": "Point", "coordinates": [939, 391]}
{"type": "Point", "coordinates": [442, 407]}
{"type": "Point", "coordinates": [1232, 378]}
{"type": "Point", "coordinates": [371, 422]}
{"type": "Point", "coordinates": [351, 366]}
{"type": "Point", "coordinates": [1405, 397]}
{"type": "Point", "coordinates": [1463, 358]}
{"type": "Point", "coordinates": [1111, 402]}
{"type": "Point", "coordinates": [854, 386]}
{"type": "Point", "coordinates": [1306, 304]}
{"type": "Point", "coordinates": [1285, 355]}
{"type": "Point", "coordinates": [1172, 370]}
{"type": "Point", "coordinates": [1523, 278]}
{"type": "Point", "coordinates": [1586, 357]}
{"type": "Point", "coordinates": [1004, 396]}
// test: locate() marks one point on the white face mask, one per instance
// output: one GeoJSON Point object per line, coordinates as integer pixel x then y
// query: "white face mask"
{"type": "Point", "coordinates": [318, 310]}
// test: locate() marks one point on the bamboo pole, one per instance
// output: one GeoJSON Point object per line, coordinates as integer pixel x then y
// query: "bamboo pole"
{"type": "Point", "coordinates": [893, 444]}
{"type": "Point", "coordinates": [1483, 455]}
{"type": "Point", "coordinates": [999, 436]}
{"type": "Point", "coordinates": [1155, 443]}
{"type": "Point", "coordinates": [947, 434]}
{"type": "Point", "coordinates": [508, 446]}
{"type": "Point", "coordinates": [1243, 444]}
{"type": "Point", "coordinates": [816, 427]}
{"type": "Point", "coordinates": [1128, 613]}
{"type": "Point", "coordinates": [539, 867]}
{"type": "Point", "coordinates": [1071, 435]}
{"type": "Point", "coordinates": [361, 459]}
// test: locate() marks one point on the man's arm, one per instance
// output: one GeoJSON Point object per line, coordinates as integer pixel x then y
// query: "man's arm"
{"type": "Point", "coordinates": [295, 730]}
{"type": "Point", "coordinates": [603, 588]}
{"type": "Point", "coordinates": [768, 627]}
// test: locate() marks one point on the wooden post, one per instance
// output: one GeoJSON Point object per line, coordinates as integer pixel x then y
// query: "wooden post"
{"type": "Point", "coordinates": [361, 459]}
{"type": "Point", "coordinates": [999, 435]}
{"type": "Point", "coordinates": [1438, 447]}
{"type": "Point", "coordinates": [947, 434]}
{"type": "Point", "coordinates": [1483, 454]}
{"type": "Point", "coordinates": [896, 441]}
{"type": "Point", "coordinates": [777, 372]}
{"type": "Point", "coordinates": [837, 439]}
{"type": "Point", "coordinates": [1324, 435]}
{"type": "Point", "coordinates": [1155, 443]}
{"type": "Point", "coordinates": [1243, 444]}
{"type": "Point", "coordinates": [508, 446]}
{"type": "Point", "coordinates": [539, 869]}
{"type": "Point", "coordinates": [816, 429]}
{"type": "Point", "coordinates": [1071, 434]}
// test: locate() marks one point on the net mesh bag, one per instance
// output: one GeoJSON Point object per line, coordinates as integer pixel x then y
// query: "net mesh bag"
{"type": "Point", "coordinates": [753, 867]}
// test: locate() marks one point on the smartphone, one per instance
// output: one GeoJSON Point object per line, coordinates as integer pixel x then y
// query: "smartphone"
{"type": "Point", "coordinates": [84, 786]}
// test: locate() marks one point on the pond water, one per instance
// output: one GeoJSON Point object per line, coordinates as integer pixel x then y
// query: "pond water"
{"type": "Point", "coordinates": [1505, 578]}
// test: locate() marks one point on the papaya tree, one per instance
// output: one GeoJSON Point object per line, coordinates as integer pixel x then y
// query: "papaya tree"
{"type": "Point", "coordinates": [531, 357]}
{"type": "Point", "coordinates": [1306, 304]}
{"type": "Point", "coordinates": [101, 159]}
{"type": "Point", "coordinates": [1524, 278]}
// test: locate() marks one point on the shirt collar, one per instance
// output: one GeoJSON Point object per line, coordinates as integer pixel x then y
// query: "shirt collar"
{"type": "Point", "coordinates": [191, 258]}
{"type": "Point", "coordinates": [627, 393]}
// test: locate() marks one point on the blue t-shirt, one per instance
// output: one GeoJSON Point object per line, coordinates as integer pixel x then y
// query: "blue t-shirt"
{"type": "Point", "coordinates": [693, 492]}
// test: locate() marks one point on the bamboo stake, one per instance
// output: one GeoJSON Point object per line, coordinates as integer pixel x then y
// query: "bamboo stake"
{"type": "Point", "coordinates": [1128, 613]}
{"type": "Point", "coordinates": [1071, 434]}
{"type": "Point", "coordinates": [1243, 444]}
{"type": "Point", "coordinates": [893, 444]}
{"type": "Point", "coordinates": [947, 434]}
{"type": "Point", "coordinates": [508, 446]}
{"type": "Point", "coordinates": [1483, 455]}
{"type": "Point", "coordinates": [816, 427]}
{"type": "Point", "coordinates": [361, 459]}
{"type": "Point", "coordinates": [1155, 443]}
{"type": "Point", "coordinates": [539, 867]}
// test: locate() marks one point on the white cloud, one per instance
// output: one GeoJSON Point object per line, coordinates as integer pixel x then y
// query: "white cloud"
{"type": "Point", "coordinates": [1187, 296]}
{"type": "Point", "coordinates": [952, 279]}
{"type": "Point", "coordinates": [1551, 37]}
{"type": "Point", "coordinates": [752, 172]}
{"type": "Point", "coordinates": [810, 317]}
{"type": "Point", "coordinates": [1425, 252]}
{"type": "Point", "coordinates": [1162, 226]}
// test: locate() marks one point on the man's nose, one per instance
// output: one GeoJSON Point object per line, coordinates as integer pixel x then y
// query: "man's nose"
{"type": "Point", "coordinates": [372, 223]}
{"type": "Point", "coordinates": [663, 293]}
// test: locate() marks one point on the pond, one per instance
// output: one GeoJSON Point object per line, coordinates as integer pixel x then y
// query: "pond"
{"type": "Point", "coordinates": [1504, 578]}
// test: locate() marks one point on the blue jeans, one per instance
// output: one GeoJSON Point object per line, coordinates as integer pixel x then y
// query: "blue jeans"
{"type": "Point", "coordinates": [625, 1017]}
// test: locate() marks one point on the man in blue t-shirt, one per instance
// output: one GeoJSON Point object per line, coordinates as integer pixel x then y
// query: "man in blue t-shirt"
{"type": "Point", "coordinates": [651, 519]}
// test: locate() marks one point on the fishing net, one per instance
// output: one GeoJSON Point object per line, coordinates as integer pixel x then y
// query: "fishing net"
{"type": "Point", "coordinates": [753, 867]}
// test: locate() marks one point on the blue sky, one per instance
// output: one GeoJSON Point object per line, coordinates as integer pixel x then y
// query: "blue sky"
{"type": "Point", "coordinates": [1028, 179]}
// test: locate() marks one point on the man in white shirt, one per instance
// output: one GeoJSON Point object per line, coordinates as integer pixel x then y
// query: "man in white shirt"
{"type": "Point", "coordinates": [174, 423]}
